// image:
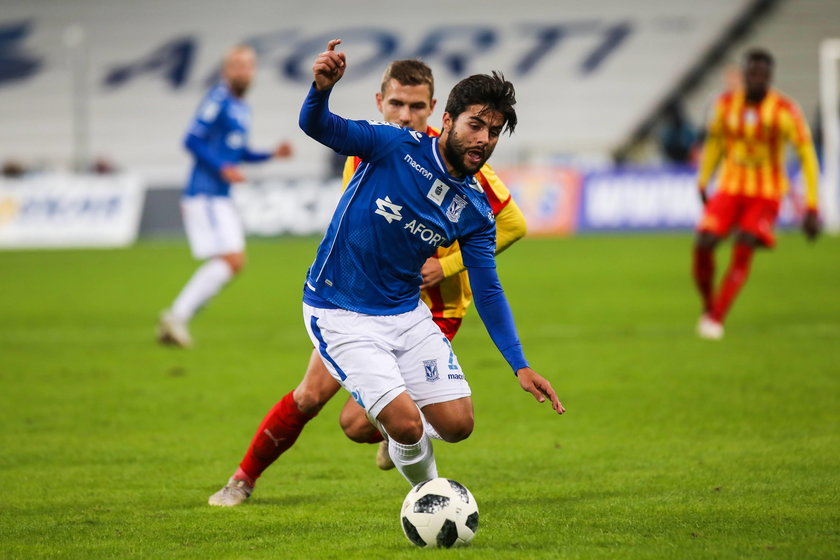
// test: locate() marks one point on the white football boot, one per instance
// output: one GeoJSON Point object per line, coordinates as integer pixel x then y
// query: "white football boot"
{"type": "Point", "coordinates": [173, 331]}
{"type": "Point", "coordinates": [709, 329]}
{"type": "Point", "coordinates": [383, 458]}
{"type": "Point", "coordinates": [234, 493]}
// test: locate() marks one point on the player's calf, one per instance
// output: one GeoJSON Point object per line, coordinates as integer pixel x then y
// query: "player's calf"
{"type": "Point", "coordinates": [355, 424]}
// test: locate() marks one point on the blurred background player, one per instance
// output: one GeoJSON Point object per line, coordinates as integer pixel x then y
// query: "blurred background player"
{"type": "Point", "coordinates": [218, 142]}
{"type": "Point", "coordinates": [748, 129]}
{"type": "Point", "coordinates": [406, 98]}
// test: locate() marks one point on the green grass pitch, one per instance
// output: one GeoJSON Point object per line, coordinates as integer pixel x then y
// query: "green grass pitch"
{"type": "Point", "coordinates": [672, 447]}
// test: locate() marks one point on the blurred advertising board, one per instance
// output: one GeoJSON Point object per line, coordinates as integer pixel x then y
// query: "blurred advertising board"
{"type": "Point", "coordinates": [61, 210]}
{"type": "Point", "coordinates": [639, 199]}
{"type": "Point", "coordinates": [548, 196]}
{"type": "Point", "coordinates": [563, 200]}
{"type": "Point", "coordinates": [287, 206]}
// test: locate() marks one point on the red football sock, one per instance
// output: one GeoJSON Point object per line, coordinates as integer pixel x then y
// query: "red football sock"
{"type": "Point", "coordinates": [737, 274]}
{"type": "Point", "coordinates": [278, 432]}
{"type": "Point", "coordinates": [704, 275]}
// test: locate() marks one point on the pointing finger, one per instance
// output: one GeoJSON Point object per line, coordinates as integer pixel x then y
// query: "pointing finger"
{"type": "Point", "coordinates": [331, 45]}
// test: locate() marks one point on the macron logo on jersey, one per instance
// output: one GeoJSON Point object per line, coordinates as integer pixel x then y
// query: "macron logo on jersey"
{"type": "Point", "coordinates": [417, 167]}
{"type": "Point", "coordinates": [388, 210]}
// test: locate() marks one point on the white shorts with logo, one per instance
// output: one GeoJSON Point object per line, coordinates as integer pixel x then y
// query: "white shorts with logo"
{"type": "Point", "coordinates": [378, 357]}
{"type": "Point", "coordinates": [213, 226]}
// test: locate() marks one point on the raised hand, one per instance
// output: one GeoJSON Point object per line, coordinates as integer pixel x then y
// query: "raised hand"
{"type": "Point", "coordinates": [539, 386]}
{"type": "Point", "coordinates": [329, 66]}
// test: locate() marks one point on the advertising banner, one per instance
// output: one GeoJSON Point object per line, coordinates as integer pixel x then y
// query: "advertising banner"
{"type": "Point", "coordinates": [548, 197]}
{"type": "Point", "coordinates": [58, 210]}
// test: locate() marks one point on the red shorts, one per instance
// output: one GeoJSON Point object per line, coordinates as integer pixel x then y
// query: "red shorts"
{"type": "Point", "coordinates": [448, 325]}
{"type": "Point", "coordinates": [755, 216]}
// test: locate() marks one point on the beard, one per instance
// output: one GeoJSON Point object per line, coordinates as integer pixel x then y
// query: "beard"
{"type": "Point", "coordinates": [238, 87]}
{"type": "Point", "coordinates": [455, 152]}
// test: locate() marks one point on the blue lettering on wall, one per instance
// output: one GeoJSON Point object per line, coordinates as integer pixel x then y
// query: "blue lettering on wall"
{"type": "Point", "coordinates": [613, 37]}
{"type": "Point", "coordinates": [478, 40]}
{"type": "Point", "coordinates": [454, 46]}
{"type": "Point", "coordinates": [173, 60]}
{"type": "Point", "coordinates": [297, 66]}
{"type": "Point", "coordinates": [15, 63]}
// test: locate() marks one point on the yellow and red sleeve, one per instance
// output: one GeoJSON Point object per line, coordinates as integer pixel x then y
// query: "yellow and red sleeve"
{"type": "Point", "coordinates": [713, 144]}
{"type": "Point", "coordinates": [510, 222]}
{"type": "Point", "coordinates": [796, 130]}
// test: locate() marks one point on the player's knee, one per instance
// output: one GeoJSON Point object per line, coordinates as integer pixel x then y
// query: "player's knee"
{"type": "Point", "coordinates": [236, 262]}
{"type": "Point", "coordinates": [458, 431]}
{"type": "Point", "coordinates": [355, 426]}
{"type": "Point", "coordinates": [406, 430]}
{"type": "Point", "coordinates": [706, 240]}
{"type": "Point", "coordinates": [309, 401]}
{"type": "Point", "coordinates": [749, 240]}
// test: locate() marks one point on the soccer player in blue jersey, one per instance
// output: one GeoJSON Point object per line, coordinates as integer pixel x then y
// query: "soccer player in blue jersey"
{"type": "Point", "coordinates": [218, 141]}
{"type": "Point", "coordinates": [411, 194]}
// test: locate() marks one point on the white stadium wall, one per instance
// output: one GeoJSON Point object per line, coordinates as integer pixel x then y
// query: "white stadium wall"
{"type": "Point", "coordinates": [586, 73]}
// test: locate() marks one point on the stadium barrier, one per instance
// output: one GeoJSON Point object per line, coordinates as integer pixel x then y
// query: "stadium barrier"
{"type": "Point", "coordinates": [61, 210]}
{"type": "Point", "coordinates": [110, 211]}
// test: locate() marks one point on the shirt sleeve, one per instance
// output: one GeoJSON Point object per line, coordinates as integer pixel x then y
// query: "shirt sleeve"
{"type": "Point", "coordinates": [712, 147]}
{"type": "Point", "coordinates": [495, 313]}
{"type": "Point", "coordinates": [800, 136]}
{"type": "Point", "coordinates": [510, 227]}
{"type": "Point", "coordinates": [252, 156]}
{"type": "Point", "coordinates": [369, 140]}
{"type": "Point", "coordinates": [478, 249]}
{"type": "Point", "coordinates": [196, 140]}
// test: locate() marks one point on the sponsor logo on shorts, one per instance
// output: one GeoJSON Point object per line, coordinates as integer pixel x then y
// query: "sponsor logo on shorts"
{"type": "Point", "coordinates": [456, 376]}
{"type": "Point", "coordinates": [431, 368]}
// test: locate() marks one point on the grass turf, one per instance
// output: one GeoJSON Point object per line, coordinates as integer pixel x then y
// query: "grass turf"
{"type": "Point", "coordinates": [672, 447]}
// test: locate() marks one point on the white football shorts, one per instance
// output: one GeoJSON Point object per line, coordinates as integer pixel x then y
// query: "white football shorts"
{"type": "Point", "coordinates": [375, 358]}
{"type": "Point", "coordinates": [213, 226]}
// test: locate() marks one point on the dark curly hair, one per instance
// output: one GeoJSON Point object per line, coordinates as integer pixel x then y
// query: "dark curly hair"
{"type": "Point", "coordinates": [492, 91]}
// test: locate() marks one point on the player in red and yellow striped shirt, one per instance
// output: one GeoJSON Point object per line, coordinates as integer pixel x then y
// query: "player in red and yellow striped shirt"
{"type": "Point", "coordinates": [749, 129]}
{"type": "Point", "coordinates": [406, 98]}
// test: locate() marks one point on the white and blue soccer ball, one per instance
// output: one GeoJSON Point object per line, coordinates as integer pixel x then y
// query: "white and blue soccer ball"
{"type": "Point", "coordinates": [439, 513]}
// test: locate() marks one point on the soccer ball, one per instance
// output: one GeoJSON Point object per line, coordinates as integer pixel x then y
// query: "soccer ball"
{"type": "Point", "coordinates": [439, 513]}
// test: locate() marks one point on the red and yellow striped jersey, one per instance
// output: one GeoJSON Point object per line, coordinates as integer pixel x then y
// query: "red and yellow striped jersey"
{"type": "Point", "coordinates": [453, 296]}
{"type": "Point", "coordinates": [752, 138]}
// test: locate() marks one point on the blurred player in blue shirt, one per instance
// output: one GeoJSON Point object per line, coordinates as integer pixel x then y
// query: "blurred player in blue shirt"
{"type": "Point", "coordinates": [412, 194]}
{"type": "Point", "coordinates": [218, 141]}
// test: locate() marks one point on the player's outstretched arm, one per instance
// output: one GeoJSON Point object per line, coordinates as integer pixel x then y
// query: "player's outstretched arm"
{"type": "Point", "coordinates": [329, 66]}
{"type": "Point", "coordinates": [539, 386]}
{"type": "Point", "coordinates": [493, 307]}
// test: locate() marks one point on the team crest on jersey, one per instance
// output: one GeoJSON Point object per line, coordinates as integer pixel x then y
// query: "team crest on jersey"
{"type": "Point", "coordinates": [438, 192]}
{"type": "Point", "coordinates": [235, 140]}
{"type": "Point", "coordinates": [431, 368]}
{"type": "Point", "coordinates": [455, 208]}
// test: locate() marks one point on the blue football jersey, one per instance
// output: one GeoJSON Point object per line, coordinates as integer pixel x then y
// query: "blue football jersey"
{"type": "Point", "coordinates": [399, 207]}
{"type": "Point", "coordinates": [218, 136]}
